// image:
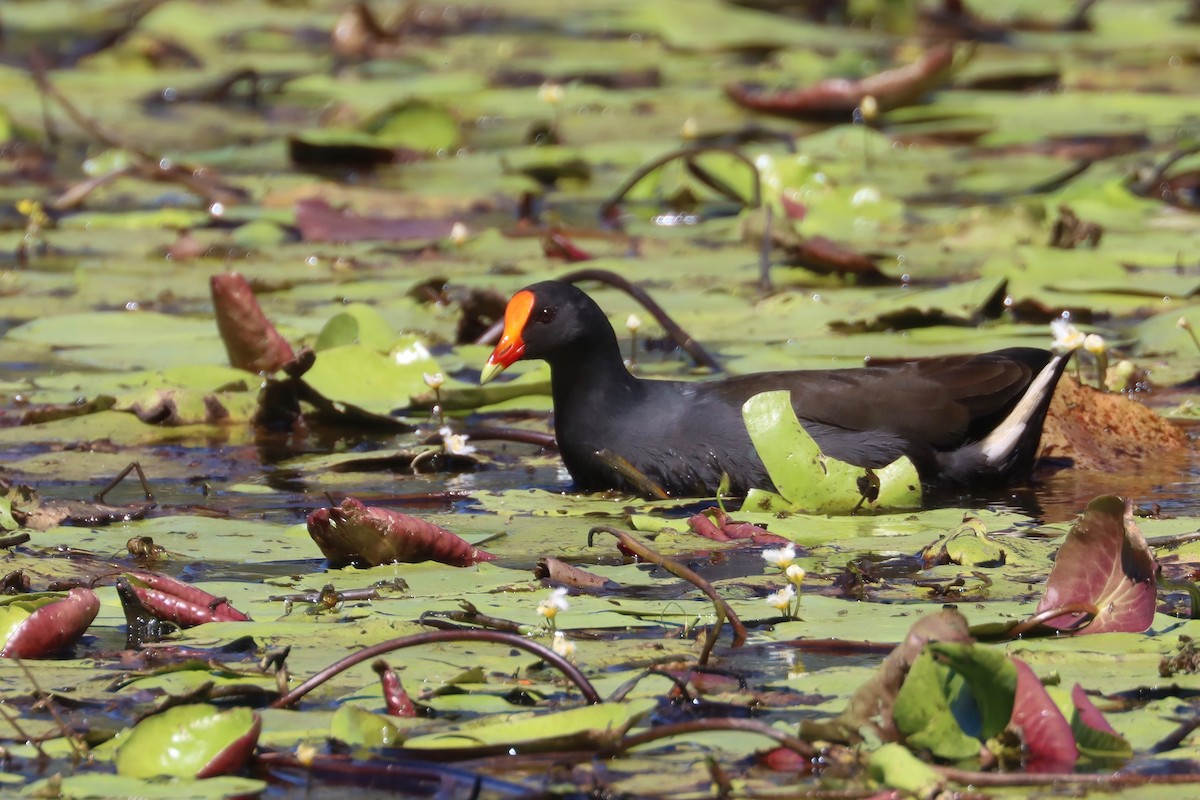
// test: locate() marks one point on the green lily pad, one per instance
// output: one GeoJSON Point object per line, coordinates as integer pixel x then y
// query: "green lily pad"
{"type": "Point", "coordinates": [191, 741]}
{"type": "Point", "coordinates": [591, 726]}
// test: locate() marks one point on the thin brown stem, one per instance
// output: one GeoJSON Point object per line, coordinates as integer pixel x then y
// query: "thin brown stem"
{"type": "Point", "coordinates": [1042, 617]}
{"type": "Point", "coordinates": [678, 334]}
{"type": "Point", "coordinates": [132, 467]}
{"type": "Point", "coordinates": [433, 637]}
{"type": "Point", "coordinates": [688, 152]}
{"type": "Point", "coordinates": [724, 611]}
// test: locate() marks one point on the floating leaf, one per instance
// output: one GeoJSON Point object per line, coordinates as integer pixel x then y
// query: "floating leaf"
{"type": "Point", "coordinates": [191, 741]}
{"type": "Point", "coordinates": [591, 727]}
{"type": "Point", "coordinates": [895, 765]}
{"type": "Point", "coordinates": [358, 323]}
{"type": "Point", "coordinates": [358, 727]}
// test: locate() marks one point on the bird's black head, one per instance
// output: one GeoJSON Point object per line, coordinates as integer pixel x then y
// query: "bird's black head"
{"type": "Point", "coordinates": [547, 320]}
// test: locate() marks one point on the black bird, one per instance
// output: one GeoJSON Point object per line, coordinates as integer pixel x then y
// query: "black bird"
{"type": "Point", "coordinates": [963, 420]}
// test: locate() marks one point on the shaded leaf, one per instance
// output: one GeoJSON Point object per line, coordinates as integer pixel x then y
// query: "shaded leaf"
{"type": "Point", "coordinates": [991, 677]}
{"type": "Point", "coordinates": [932, 707]}
{"type": "Point", "coordinates": [1094, 737]}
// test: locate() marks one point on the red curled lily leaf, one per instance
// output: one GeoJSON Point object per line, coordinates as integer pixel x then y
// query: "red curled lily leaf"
{"type": "Point", "coordinates": [251, 340]}
{"type": "Point", "coordinates": [1106, 564]}
{"type": "Point", "coordinates": [169, 599]}
{"type": "Point", "coordinates": [1045, 733]}
{"type": "Point", "coordinates": [42, 625]}
{"type": "Point", "coordinates": [367, 536]}
{"type": "Point", "coordinates": [838, 97]}
{"type": "Point", "coordinates": [714, 523]}
{"type": "Point", "coordinates": [701, 525]}
{"type": "Point", "coordinates": [398, 703]}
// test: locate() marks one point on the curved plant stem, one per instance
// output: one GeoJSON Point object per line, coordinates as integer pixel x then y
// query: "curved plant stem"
{"type": "Point", "coordinates": [1145, 185]}
{"type": "Point", "coordinates": [432, 637]}
{"type": "Point", "coordinates": [505, 434]}
{"type": "Point", "coordinates": [1025, 626]}
{"type": "Point", "coordinates": [798, 746]}
{"type": "Point", "coordinates": [687, 154]}
{"type": "Point", "coordinates": [678, 334]}
{"type": "Point", "coordinates": [1182, 585]}
{"type": "Point", "coordinates": [724, 611]}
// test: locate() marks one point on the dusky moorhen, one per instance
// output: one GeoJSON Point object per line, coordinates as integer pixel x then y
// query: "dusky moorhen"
{"type": "Point", "coordinates": [963, 420]}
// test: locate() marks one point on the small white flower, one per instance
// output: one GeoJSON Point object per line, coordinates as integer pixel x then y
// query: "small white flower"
{"type": "Point", "coordinates": [459, 233]}
{"type": "Point", "coordinates": [1067, 338]}
{"type": "Point", "coordinates": [556, 602]}
{"type": "Point", "coordinates": [690, 129]}
{"type": "Point", "coordinates": [455, 443]}
{"type": "Point", "coordinates": [633, 322]}
{"type": "Point", "coordinates": [563, 646]}
{"type": "Point", "coordinates": [867, 195]}
{"type": "Point", "coordinates": [783, 598]}
{"type": "Point", "coordinates": [434, 381]}
{"type": "Point", "coordinates": [1094, 343]}
{"type": "Point", "coordinates": [795, 574]}
{"type": "Point", "coordinates": [550, 93]}
{"type": "Point", "coordinates": [870, 107]}
{"type": "Point", "coordinates": [781, 557]}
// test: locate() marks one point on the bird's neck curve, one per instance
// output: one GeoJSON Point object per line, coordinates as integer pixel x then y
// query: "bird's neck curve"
{"type": "Point", "coordinates": [590, 375]}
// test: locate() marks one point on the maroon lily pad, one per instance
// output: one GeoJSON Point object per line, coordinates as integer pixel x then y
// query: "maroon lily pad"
{"type": "Point", "coordinates": [320, 222]}
{"type": "Point", "coordinates": [49, 624]}
{"type": "Point", "coordinates": [367, 536]}
{"type": "Point", "coordinates": [1045, 732]}
{"type": "Point", "coordinates": [1106, 567]}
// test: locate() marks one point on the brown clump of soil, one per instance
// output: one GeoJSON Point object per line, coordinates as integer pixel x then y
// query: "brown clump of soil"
{"type": "Point", "coordinates": [1104, 431]}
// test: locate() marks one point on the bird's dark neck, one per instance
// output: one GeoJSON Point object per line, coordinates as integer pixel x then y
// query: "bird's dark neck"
{"type": "Point", "coordinates": [594, 368]}
{"type": "Point", "coordinates": [591, 380]}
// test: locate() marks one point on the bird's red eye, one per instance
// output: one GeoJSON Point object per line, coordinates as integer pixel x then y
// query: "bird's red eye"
{"type": "Point", "coordinates": [545, 315]}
